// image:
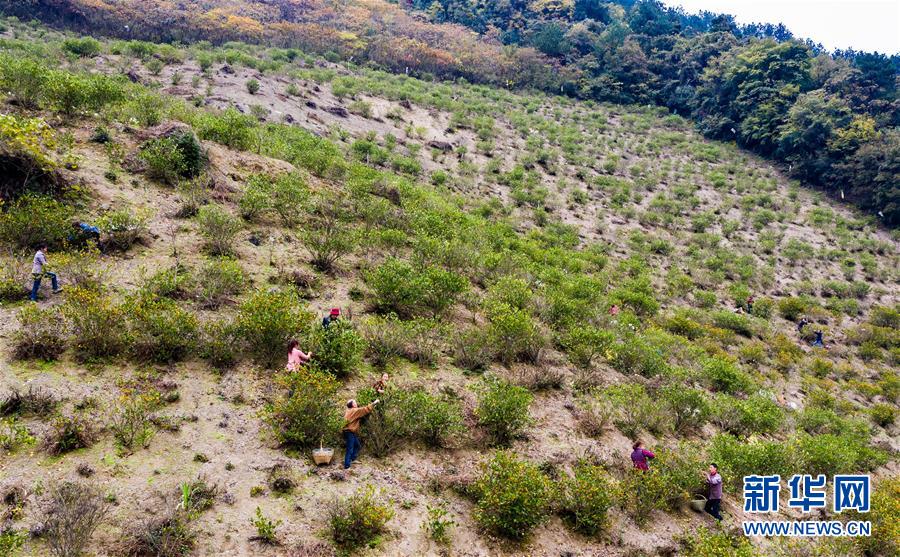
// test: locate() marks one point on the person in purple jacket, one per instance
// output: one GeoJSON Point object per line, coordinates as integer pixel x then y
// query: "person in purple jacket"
{"type": "Point", "coordinates": [640, 456]}
{"type": "Point", "coordinates": [714, 482]}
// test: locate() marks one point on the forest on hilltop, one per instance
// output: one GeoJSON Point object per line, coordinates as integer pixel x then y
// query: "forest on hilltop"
{"type": "Point", "coordinates": [544, 280]}
{"type": "Point", "coordinates": [832, 118]}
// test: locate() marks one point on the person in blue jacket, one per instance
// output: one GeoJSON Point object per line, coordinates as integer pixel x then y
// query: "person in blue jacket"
{"type": "Point", "coordinates": [82, 233]}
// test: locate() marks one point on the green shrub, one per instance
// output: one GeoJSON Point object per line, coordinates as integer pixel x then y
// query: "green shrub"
{"type": "Point", "coordinates": [635, 410]}
{"type": "Point", "coordinates": [11, 541]}
{"type": "Point", "coordinates": [26, 79]}
{"type": "Point", "coordinates": [585, 499]}
{"type": "Point", "coordinates": [757, 414]}
{"type": "Point", "coordinates": [438, 525]}
{"type": "Point", "coordinates": [338, 348]}
{"type": "Point", "coordinates": [639, 353]}
{"type": "Point", "coordinates": [706, 543]}
{"type": "Point", "coordinates": [514, 334]}
{"type": "Point", "coordinates": [512, 496]}
{"type": "Point", "coordinates": [160, 330]}
{"type": "Point", "coordinates": [220, 279]}
{"type": "Point", "coordinates": [688, 407]}
{"type": "Point", "coordinates": [637, 294]}
{"type": "Point", "coordinates": [41, 333]}
{"type": "Point", "coordinates": [85, 47]}
{"type": "Point", "coordinates": [220, 343]}
{"type": "Point", "coordinates": [267, 321]}
{"type": "Point", "coordinates": [70, 93]}
{"type": "Point", "coordinates": [170, 159]}
{"type": "Point", "coordinates": [434, 420]}
{"type": "Point", "coordinates": [410, 414]}
{"type": "Point", "coordinates": [731, 321]}
{"type": "Point", "coordinates": [15, 273]}
{"type": "Point", "coordinates": [256, 199]}
{"type": "Point", "coordinates": [218, 228]}
{"type": "Point", "coordinates": [791, 308]}
{"type": "Point", "coordinates": [763, 308]}
{"type": "Point", "coordinates": [683, 322]}
{"type": "Point", "coordinates": [725, 375]}
{"type": "Point", "coordinates": [123, 228]}
{"type": "Point", "coordinates": [503, 410]}
{"type": "Point", "coordinates": [172, 282]}
{"type": "Point", "coordinates": [679, 469]}
{"type": "Point", "coordinates": [831, 454]}
{"type": "Point", "coordinates": [883, 414]}
{"type": "Point", "coordinates": [286, 195]}
{"type": "Point", "coordinates": [883, 316]}
{"type": "Point", "coordinates": [33, 219]}
{"type": "Point", "coordinates": [408, 291]}
{"type": "Point", "coordinates": [884, 514]}
{"type": "Point", "coordinates": [265, 528]}
{"type": "Point", "coordinates": [473, 349]}
{"type": "Point", "coordinates": [252, 86]}
{"type": "Point", "coordinates": [13, 436]}
{"type": "Point", "coordinates": [329, 235]}
{"type": "Point", "coordinates": [738, 458]}
{"type": "Point", "coordinates": [97, 324]}
{"type": "Point", "coordinates": [419, 340]}
{"type": "Point", "coordinates": [583, 343]}
{"type": "Point", "coordinates": [230, 128]}
{"type": "Point", "coordinates": [307, 411]}
{"type": "Point", "coordinates": [69, 432]}
{"type": "Point", "coordinates": [132, 424]}
{"type": "Point", "coordinates": [358, 521]}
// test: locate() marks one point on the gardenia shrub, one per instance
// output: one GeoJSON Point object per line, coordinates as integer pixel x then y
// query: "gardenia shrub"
{"type": "Point", "coordinates": [514, 334]}
{"type": "Point", "coordinates": [338, 348]}
{"type": "Point", "coordinates": [122, 228]}
{"type": "Point", "coordinates": [170, 159]}
{"type": "Point", "coordinates": [218, 228]}
{"type": "Point", "coordinates": [308, 412]}
{"type": "Point", "coordinates": [32, 219]}
{"type": "Point", "coordinates": [586, 498]}
{"type": "Point", "coordinates": [408, 291]}
{"type": "Point", "coordinates": [503, 410]}
{"type": "Point", "coordinates": [267, 321]}
{"type": "Point", "coordinates": [219, 279]}
{"type": "Point", "coordinates": [357, 521]}
{"type": "Point", "coordinates": [160, 330]}
{"type": "Point", "coordinates": [512, 496]}
{"type": "Point", "coordinates": [97, 324]}
{"type": "Point", "coordinates": [41, 333]}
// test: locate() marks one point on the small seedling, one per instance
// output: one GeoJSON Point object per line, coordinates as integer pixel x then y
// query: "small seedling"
{"type": "Point", "coordinates": [265, 528]}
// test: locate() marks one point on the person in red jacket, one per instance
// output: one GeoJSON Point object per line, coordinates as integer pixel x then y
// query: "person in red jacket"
{"type": "Point", "coordinates": [640, 456]}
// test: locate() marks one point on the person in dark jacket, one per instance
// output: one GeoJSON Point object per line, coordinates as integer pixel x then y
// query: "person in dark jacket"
{"type": "Point", "coordinates": [714, 483]}
{"type": "Point", "coordinates": [818, 343]}
{"type": "Point", "coordinates": [333, 316]}
{"type": "Point", "coordinates": [640, 456]}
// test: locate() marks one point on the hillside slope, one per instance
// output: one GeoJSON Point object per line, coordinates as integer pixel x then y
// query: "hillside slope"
{"type": "Point", "coordinates": [499, 229]}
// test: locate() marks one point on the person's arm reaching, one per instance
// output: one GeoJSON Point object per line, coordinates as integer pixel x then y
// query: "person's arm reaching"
{"type": "Point", "coordinates": [649, 454]}
{"type": "Point", "coordinates": [362, 411]}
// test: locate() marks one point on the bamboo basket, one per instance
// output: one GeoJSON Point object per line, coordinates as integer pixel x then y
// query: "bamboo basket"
{"type": "Point", "coordinates": [322, 455]}
{"type": "Point", "coordinates": [698, 503]}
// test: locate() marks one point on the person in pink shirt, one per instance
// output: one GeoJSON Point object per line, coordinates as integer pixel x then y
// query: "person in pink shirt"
{"type": "Point", "coordinates": [640, 456]}
{"type": "Point", "coordinates": [296, 357]}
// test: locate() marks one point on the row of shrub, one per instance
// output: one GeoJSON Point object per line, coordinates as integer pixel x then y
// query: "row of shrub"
{"type": "Point", "coordinates": [308, 412]}
{"type": "Point", "coordinates": [149, 325]}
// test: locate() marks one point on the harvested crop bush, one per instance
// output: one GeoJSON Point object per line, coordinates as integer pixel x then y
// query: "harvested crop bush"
{"type": "Point", "coordinates": [512, 496]}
